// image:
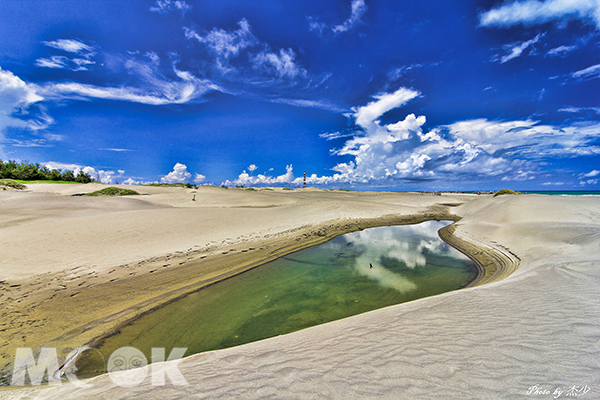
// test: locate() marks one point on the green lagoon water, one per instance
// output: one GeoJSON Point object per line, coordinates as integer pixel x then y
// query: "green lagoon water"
{"type": "Point", "coordinates": [327, 282]}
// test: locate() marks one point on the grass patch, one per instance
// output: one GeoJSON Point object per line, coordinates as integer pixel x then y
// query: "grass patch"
{"type": "Point", "coordinates": [287, 189]}
{"type": "Point", "coordinates": [252, 189]}
{"type": "Point", "coordinates": [505, 191]}
{"type": "Point", "coordinates": [10, 183]}
{"type": "Point", "coordinates": [344, 190]}
{"type": "Point", "coordinates": [112, 191]}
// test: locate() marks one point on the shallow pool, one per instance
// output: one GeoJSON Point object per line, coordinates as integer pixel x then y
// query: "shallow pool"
{"type": "Point", "coordinates": [348, 275]}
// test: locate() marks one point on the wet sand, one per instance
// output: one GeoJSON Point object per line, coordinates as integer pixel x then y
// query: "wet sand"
{"type": "Point", "coordinates": [76, 268]}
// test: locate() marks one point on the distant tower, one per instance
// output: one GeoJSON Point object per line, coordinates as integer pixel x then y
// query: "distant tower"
{"type": "Point", "coordinates": [304, 180]}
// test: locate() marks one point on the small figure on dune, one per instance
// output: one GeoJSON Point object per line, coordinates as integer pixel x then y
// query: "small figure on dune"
{"type": "Point", "coordinates": [194, 199]}
{"type": "Point", "coordinates": [370, 266]}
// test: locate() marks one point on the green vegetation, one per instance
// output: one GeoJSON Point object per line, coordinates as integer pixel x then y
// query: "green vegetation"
{"type": "Point", "coordinates": [27, 172]}
{"type": "Point", "coordinates": [344, 190]}
{"type": "Point", "coordinates": [505, 191]}
{"type": "Point", "coordinates": [113, 191]}
{"type": "Point", "coordinates": [9, 183]}
{"type": "Point", "coordinates": [287, 189]}
{"type": "Point", "coordinates": [252, 189]}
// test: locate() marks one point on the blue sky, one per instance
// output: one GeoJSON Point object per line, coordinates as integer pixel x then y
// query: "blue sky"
{"type": "Point", "coordinates": [365, 94]}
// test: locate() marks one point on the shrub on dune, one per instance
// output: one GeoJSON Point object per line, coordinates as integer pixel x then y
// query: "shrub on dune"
{"type": "Point", "coordinates": [113, 191]}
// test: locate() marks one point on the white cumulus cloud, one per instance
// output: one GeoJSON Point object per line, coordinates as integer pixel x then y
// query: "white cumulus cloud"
{"type": "Point", "coordinates": [100, 175]}
{"type": "Point", "coordinates": [179, 174]}
{"type": "Point", "coordinates": [199, 178]}
{"type": "Point", "coordinates": [477, 149]}
{"type": "Point", "coordinates": [368, 116]}
{"type": "Point", "coordinates": [245, 179]}
{"type": "Point", "coordinates": [16, 99]}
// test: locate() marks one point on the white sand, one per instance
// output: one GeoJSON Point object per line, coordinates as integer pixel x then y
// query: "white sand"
{"type": "Point", "coordinates": [537, 327]}
{"type": "Point", "coordinates": [44, 230]}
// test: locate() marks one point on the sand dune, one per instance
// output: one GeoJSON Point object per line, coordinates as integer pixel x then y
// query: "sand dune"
{"type": "Point", "coordinates": [496, 341]}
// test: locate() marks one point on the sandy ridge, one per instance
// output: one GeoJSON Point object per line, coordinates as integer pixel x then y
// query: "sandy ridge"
{"type": "Point", "coordinates": [494, 262]}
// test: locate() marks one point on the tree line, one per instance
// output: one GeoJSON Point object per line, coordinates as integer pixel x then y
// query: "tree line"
{"type": "Point", "coordinates": [25, 171]}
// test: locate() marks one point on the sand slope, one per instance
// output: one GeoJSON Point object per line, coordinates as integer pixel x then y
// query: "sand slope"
{"type": "Point", "coordinates": [537, 327]}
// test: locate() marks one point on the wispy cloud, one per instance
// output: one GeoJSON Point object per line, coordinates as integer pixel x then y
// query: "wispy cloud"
{"type": "Point", "coordinates": [358, 9]}
{"type": "Point", "coordinates": [539, 12]}
{"type": "Point", "coordinates": [560, 51]}
{"type": "Point", "coordinates": [134, 95]}
{"type": "Point", "coordinates": [592, 72]}
{"type": "Point", "coordinates": [283, 64]}
{"type": "Point", "coordinates": [166, 6]}
{"type": "Point", "coordinates": [580, 109]}
{"type": "Point", "coordinates": [320, 104]}
{"type": "Point", "coordinates": [79, 56]}
{"type": "Point", "coordinates": [71, 46]}
{"type": "Point", "coordinates": [337, 135]}
{"type": "Point", "coordinates": [26, 143]}
{"type": "Point", "coordinates": [239, 57]}
{"type": "Point", "coordinates": [225, 45]}
{"type": "Point", "coordinates": [62, 62]}
{"type": "Point", "coordinates": [553, 184]}
{"type": "Point", "coordinates": [515, 50]}
{"type": "Point", "coordinates": [116, 150]}
{"type": "Point", "coordinates": [154, 87]}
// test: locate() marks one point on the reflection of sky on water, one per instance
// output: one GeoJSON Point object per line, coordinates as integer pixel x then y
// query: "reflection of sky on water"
{"type": "Point", "coordinates": [408, 244]}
